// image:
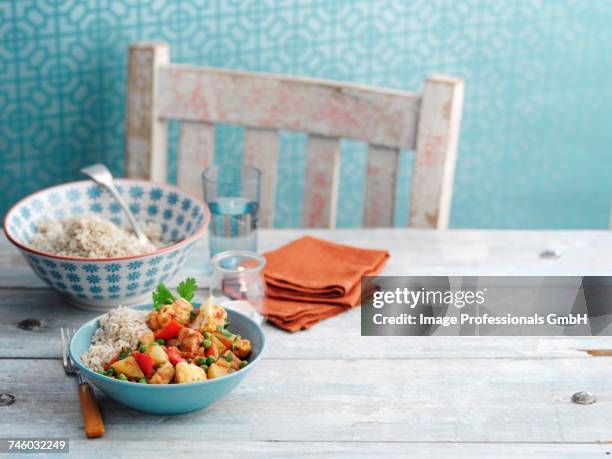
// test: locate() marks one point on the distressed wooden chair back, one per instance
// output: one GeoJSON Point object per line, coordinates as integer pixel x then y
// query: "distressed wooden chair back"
{"type": "Point", "coordinates": [387, 120]}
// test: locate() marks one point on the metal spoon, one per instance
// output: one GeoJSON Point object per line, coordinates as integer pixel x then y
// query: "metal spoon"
{"type": "Point", "coordinates": [102, 176]}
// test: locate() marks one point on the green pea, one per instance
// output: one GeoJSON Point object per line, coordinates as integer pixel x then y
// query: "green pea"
{"type": "Point", "coordinates": [229, 357]}
{"type": "Point", "coordinates": [204, 367]}
{"type": "Point", "coordinates": [243, 364]}
{"type": "Point", "coordinates": [101, 371]}
{"type": "Point", "coordinates": [192, 315]}
{"type": "Point", "coordinates": [142, 381]}
{"type": "Point", "coordinates": [142, 348]}
{"type": "Point", "coordinates": [160, 341]}
{"type": "Point", "coordinates": [110, 372]}
{"type": "Point", "coordinates": [206, 343]}
{"type": "Point", "coordinates": [210, 360]}
{"type": "Point", "coordinates": [122, 377]}
{"type": "Point", "coordinates": [207, 335]}
{"type": "Point", "coordinates": [201, 360]}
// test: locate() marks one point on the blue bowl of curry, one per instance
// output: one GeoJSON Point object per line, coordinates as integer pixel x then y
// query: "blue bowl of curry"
{"type": "Point", "coordinates": [224, 373]}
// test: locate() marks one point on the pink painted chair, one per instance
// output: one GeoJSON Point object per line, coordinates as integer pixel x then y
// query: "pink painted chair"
{"type": "Point", "coordinates": [328, 111]}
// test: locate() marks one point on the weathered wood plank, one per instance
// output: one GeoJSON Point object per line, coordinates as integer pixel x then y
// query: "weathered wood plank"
{"type": "Point", "coordinates": [146, 133]}
{"type": "Point", "coordinates": [381, 179]}
{"type": "Point", "coordinates": [342, 110]}
{"type": "Point", "coordinates": [196, 153]}
{"type": "Point", "coordinates": [436, 152]}
{"type": "Point", "coordinates": [54, 312]}
{"type": "Point", "coordinates": [413, 252]}
{"type": "Point", "coordinates": [345, 400]}
{"type": "Point", "coordinates": [261, 150]}
{"type": "Point", "coordinates": [428, 395]}
{"type": "Point", "coordinates": [321, 182]}
{"type": "Point", "coordinates": [187, 448]}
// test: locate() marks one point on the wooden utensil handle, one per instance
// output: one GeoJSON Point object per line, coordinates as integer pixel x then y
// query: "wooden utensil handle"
{"type": "Point", "coordinates": [92, 420]}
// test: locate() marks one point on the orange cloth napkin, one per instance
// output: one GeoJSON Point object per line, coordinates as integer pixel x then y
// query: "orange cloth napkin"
{"type": "Point", "coordinates": [310, 279]}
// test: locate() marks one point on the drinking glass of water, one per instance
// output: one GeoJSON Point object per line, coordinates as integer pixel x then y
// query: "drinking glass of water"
{"type": "Point", "coordinates": [232, 195]}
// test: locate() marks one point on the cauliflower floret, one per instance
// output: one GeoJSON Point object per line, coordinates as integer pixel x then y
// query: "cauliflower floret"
{"type": "Point", "coordinates": [180, 310]}
{"type": "Point", "coordinates": [206, 322]}
{"type": "Point", "coordinates": [188, 372]}
{"type": "Point", "coordinates": [159, 319]}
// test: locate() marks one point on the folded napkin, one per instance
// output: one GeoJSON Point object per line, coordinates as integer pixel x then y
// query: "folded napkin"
{"type": "Point", "coordinates": [310, 279]}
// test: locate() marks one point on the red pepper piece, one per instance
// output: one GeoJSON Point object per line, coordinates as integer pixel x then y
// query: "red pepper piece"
{"type": "Point", "coordinates": [227, 341]}
{"type": "Point", "coordinates": [174, 355]}
{"type": "Point", "coordinates": [171, 330]}
{"type": "Point", "coordinates": [145, 362]}
{"type": "Point", "coordinates": [212, 350]}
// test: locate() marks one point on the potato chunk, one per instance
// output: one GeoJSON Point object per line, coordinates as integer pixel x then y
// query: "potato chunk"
{"type": "Point", "coordinates": [128, 367]}
{"type": "Point", "coordinates": [216, 371]}
{"type": "Point", "coordinates": [163, 375]}
{"type": "Point", "coordinates": [147, 338]}
{"type": "Point", "coordinates": [158, 355]}
{"type": "Point", "coordinates": [229, 360]}
{"type": "Point", "coordinates": [188, 372]}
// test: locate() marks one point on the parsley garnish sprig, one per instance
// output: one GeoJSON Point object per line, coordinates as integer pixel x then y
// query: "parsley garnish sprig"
{"type": "Point", "coordinates": [187, 288]}
{"type": "Point", "coordinates": [163, 296]}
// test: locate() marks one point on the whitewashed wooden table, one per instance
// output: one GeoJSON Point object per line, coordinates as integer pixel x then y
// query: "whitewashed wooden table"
{"type": "Point", "coordinates": [328, 392]}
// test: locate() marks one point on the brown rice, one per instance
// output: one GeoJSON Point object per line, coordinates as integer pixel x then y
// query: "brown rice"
{"type": "Point", "coordinates": [90, 236]}
{"type": "Point", "coordinates": [120, 327]}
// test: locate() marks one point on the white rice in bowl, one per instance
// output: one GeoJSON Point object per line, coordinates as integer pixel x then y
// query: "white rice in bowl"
{"type": "Point", "coordinates": [90, 236]}
{"type": "Point", "coordinates": [120, 327]}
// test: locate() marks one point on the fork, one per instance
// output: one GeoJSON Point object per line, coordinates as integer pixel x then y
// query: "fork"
{"type": "Point", "coordinates": [92, 420]}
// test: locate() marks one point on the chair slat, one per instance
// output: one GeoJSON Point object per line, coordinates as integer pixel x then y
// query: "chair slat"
{"type": "Point", "coordinates": [436, 152]}
{"type": "Point", "coordinates": [341, 110]}
{"type": "Point", "coordinates": [381, 177]}
{"type": "Point", "coordinates": [321, 187]}
{"type": "Point", "coordinates": [261, 150]}
{"type": "Point", "coordinates": [196, 153]}
{"type": "Point", "coordinates": [327, 111]}
{"type": "Point", "coordinates": [146, 133]}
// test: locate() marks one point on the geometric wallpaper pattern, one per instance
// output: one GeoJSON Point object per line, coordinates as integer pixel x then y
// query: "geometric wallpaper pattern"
{"type": "Point", "coordinates": [536, 142]}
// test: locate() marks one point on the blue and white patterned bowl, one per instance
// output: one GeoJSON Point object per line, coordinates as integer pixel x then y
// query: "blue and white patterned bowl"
{"type": "Point", "coordinates": [103, 283]}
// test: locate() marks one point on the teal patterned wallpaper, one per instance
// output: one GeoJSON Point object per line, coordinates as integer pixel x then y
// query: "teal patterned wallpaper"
{"type": "Point", "coordinates": [535, 149]}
